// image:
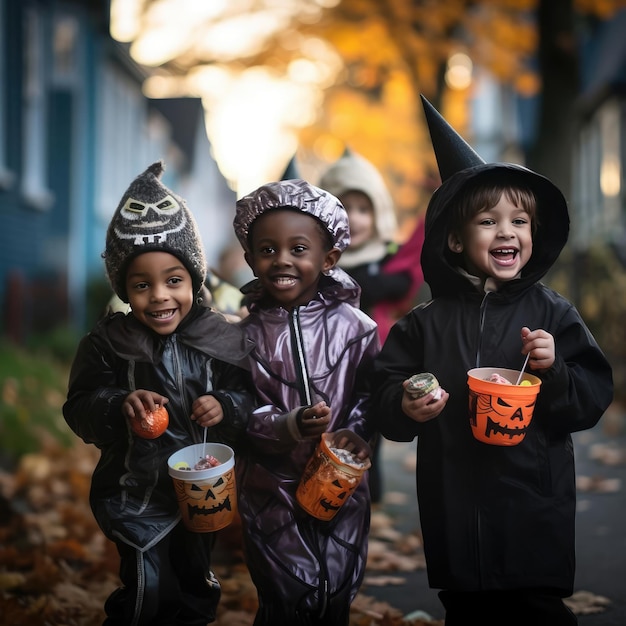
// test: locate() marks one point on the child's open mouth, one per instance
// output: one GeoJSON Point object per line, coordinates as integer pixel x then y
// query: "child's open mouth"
{"type": "Point", "coordinates": [504, 255]}
{"type": "Point", "coordinates": [163, 315]}
{"type": "Point", "coordinates": [284, 281]}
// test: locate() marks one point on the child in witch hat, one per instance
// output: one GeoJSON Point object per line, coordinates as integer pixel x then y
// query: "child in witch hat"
{"type": "Point", "coordinates": [497, 521]}
{"type": "Point", "coordinates": [172, 351]}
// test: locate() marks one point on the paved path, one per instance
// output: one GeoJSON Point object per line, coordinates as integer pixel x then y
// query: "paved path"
{"type": "Point", "coordinates": [601, 522]}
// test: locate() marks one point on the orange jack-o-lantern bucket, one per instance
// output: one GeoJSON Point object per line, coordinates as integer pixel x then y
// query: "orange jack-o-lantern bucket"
{"type": "Point", "coordinates": [207, 497]}
{"type": "Point", "coordinates": [499, 414]}
{"type": "Point", "coordinates": [329, 478]}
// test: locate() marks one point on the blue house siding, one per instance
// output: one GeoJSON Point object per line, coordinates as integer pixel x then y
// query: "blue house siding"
{"type": "Point", "coordinates": [75, 129]}
{"type": "Point", "coordinates": [36, 206]}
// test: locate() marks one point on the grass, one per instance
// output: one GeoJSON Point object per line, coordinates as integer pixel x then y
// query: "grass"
{"type": "Point", "coordinates": [33, 387]}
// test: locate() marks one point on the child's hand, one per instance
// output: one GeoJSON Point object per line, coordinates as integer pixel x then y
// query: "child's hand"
{"type": "Point", "coordinates": [314, 420]}
{"type": "Point", "coordinates": [207, 411]}
{"type": "Point", "coordinates": [425, 408]}
{"type": "Point", "coordinates": [139, 401]}
{"type": "Point", "coordinates": [539, 344]}
{"type": "Point", "coordinates": [347, 440]}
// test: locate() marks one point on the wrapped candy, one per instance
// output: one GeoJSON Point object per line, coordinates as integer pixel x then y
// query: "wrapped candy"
{"type": "Point", "coordinates": [497, 378]}
{"type": "Point", "coordinates": [206, 462]}
{"type": "Point", "coordinates": [422, 384]}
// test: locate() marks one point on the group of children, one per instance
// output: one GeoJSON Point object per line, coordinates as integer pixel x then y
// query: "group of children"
{"type": "Point", "coordinates": [497, 522]}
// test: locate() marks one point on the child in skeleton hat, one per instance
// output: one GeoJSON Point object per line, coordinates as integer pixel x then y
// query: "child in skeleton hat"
{"type": "Point", "coordinates": [497, 520]}
{"type": "Point", "coordinates": [169, 350]}
{"type": "Point", "coordinates": [314, 351]}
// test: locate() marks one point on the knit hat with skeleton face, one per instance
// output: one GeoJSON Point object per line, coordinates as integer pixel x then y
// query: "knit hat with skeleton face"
{"type": "Point", "coordinates": [149, 218]}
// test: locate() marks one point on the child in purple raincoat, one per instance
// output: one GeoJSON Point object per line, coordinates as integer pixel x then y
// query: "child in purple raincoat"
{"type": "Point", "coordinates": [314, 352]}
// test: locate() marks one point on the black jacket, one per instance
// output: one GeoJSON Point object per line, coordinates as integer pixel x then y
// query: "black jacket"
{"type": "Point", "coordinates": [132, 495]}
{"type": "Point", "coordinates": [494, 517]}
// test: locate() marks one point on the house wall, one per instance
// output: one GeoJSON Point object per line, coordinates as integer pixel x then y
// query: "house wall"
{"type": "Point", "coordinates": [75, 129]}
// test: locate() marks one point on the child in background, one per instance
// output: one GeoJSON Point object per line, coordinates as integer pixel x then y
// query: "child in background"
{"type": "Point", "coordinates": [314, 351]}
{"type": "Point", "coordinates": [389, 276]}
{"type": "Point", "coordinates": [497, 521]}
{"type": "Point", "coordinates": [361, 189]}
{"type": "Point", "coordinates": [168, 351]}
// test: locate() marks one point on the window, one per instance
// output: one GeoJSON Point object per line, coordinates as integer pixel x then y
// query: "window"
{"type": "Point", "coordinates": [34, 187]}
{"type": "Point", "coordinates": [6, 177]}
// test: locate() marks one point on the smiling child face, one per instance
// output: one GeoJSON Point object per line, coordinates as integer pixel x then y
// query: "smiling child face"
{"type": "Point", "coordinates": [160, 290]}
{"type": "Point", "coordinates": [495, 242]}
{"type": "Point", "coordinates": [288, 253]}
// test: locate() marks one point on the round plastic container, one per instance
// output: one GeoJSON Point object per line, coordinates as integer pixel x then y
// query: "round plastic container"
{"type": "Point", "coordinates": [499, 414]}
{"type": "Point", "coordinates": [327, 481]}
{"type": "Point", "coordinates": [207, 498]}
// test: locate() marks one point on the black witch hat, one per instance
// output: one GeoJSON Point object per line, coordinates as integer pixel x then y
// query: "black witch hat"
{"type": "Point", "coordinates": [459, 166]}
{"type": "Point", "coordinates": [452, 152]}
{"type": "Point", "coordinates": [291, 171]}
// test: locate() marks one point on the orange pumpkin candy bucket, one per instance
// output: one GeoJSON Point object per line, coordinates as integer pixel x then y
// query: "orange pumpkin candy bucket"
{"type": "Point", "coordinates": [500, 413]}
{"type": "Point", "coordinates": [329, 479]}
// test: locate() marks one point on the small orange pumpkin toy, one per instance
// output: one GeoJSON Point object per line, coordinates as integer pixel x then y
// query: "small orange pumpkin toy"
{"type": "Point", "coordinates": [154, 424]}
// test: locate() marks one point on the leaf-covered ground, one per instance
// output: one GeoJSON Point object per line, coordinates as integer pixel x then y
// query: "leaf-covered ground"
{"type": "Point", "coordinates": [56, 568]}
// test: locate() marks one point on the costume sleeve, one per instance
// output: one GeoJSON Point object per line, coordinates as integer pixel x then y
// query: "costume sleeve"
{"type": "Point", "coordinates": [234, 391]}
{"type": "Point", "coordinates": [274, 431]}
{"type": "Point", "coordinates": [578, 388]}
{"type": "Point", "coordinates": [94, 401]}
{"type": "Point", "coordinates": [400, 357]}
{"type": "Point", "coordinates": [406, 262]}
{"type": "Point", "coordinates": [360, 418]}
{"type": "Point", "coordinates": [377, 286]}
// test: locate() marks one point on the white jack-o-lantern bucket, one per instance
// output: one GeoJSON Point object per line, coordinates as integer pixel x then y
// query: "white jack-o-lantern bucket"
{"type": "Point", "coordinates": [208, 497]}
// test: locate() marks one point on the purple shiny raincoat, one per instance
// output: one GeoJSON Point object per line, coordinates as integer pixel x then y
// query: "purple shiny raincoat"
{"type": "Point", "coordinates": [322, 351]}
{"type": "Point", "coordinates": [305, 570]}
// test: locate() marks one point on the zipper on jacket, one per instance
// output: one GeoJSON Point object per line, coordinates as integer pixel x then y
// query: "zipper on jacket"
{"type": "Point", "coordinates": [483, 315]}
{"type": "Point", "coordinates": [483, 309]}
{"type": "Point", "coordinates": [479, 559]}
{"type": "Point", "coordinates": [301, 368]}
{"type": "Point", "coordinates": [310, 532]}
{"type": "Point", "coordinates": [303, 375]}
{"type": "Point", "coordinates": [178, 374]}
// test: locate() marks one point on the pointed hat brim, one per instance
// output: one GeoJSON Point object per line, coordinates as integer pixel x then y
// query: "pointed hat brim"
{"type": "Point", "coordinates": [452, 152]}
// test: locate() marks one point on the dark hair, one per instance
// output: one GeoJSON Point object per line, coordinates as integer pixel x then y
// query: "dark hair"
{"type": "Point", "coordinates": [484, 195]}
{"type": "Point", "coordinates": [327, 239]}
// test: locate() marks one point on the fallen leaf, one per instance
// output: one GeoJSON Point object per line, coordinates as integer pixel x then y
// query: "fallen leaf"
{"type": "Point", "coordinates": [586, 603]}
{"type": "Point", "coordinates": [598, 484]}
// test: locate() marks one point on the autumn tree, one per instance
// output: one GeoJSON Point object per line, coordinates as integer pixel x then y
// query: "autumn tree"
{"type": "Point", "coordinates": [390, 52]}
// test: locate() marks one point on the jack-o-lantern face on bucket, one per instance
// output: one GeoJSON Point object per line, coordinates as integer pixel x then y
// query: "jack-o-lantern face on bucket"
{"type": "Point", "coordinates": [207, 505]}
{"type": "Point", "coordinates": [335, 492]}
{"type": "Point", "coordinates": [500, 414]}
{"type": "Point", "coordinates": [501, 420]}
{"type": "Point", "coordinates": [208, 490]}
{"type": "Point", "coordinates": [327, 483]}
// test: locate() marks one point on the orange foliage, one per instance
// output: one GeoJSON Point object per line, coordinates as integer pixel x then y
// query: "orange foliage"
{"type": "Point", "coordinates": [391, 52]}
